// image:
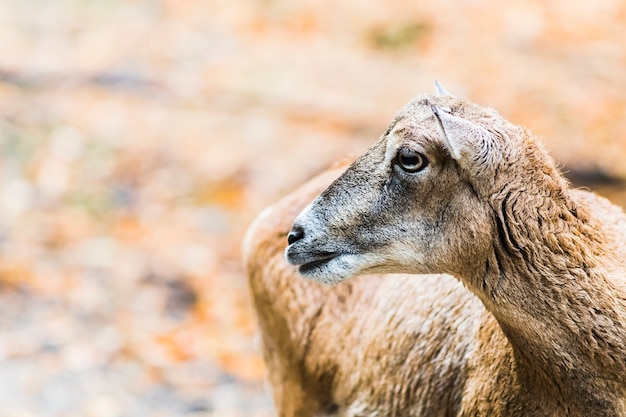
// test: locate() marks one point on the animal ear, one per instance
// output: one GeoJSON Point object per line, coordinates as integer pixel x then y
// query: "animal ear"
{"type": "Point", "coordinates": [440, 91]}
{"type": "Point", "coordinates": [468, 143]}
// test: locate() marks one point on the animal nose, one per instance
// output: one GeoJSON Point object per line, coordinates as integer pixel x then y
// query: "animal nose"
{"type": "Point", "coordinates": [296, 233]}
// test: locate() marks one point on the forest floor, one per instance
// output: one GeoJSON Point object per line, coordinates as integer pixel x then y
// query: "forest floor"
{"type": "Point", "coordinates": [140, 138]}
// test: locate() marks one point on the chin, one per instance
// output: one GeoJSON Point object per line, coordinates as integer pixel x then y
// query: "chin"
{"type": "Point", "coordinates": [332, 271]}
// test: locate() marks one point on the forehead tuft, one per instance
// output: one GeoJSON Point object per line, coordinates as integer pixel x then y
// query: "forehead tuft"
{"type": "Point", "coordinates": [409, 129]}
{"type": "Point", "coordinates": [415, 121]}
{"type": "Point", "coordinates": [420, 107]}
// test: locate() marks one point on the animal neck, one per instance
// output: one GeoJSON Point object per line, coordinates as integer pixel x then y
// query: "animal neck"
{"type": "Point", "coordinates": [549, 282]}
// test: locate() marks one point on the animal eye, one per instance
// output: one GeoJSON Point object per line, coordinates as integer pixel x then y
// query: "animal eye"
{"type": "Point", "coordinates": [411, 161]}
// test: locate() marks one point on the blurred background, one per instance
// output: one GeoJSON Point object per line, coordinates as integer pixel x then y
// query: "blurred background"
{"type": "Point", "coordinates": [139, 138]}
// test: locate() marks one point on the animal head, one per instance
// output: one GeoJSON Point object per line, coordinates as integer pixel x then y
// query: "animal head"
{"type": "Point", "coordinates": [424, 198]}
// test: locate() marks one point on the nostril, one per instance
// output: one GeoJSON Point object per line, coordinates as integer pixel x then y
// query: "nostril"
{"type": "Point", "coordinates": [295, 234]}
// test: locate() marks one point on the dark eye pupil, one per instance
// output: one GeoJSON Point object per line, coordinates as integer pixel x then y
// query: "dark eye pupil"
{"type": "Point", "coordinates": [411, 161]}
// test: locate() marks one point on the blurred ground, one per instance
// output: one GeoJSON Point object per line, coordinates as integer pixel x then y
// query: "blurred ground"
{"type": "Point", "coordinates": [139, 138]}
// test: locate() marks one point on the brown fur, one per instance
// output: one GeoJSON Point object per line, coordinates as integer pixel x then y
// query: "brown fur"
{"type": "Point", "coordinates": [544, 331]}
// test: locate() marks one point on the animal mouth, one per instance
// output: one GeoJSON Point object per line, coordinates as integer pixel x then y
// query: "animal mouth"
{"type": "Point", "coordinates": [321, 259]}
